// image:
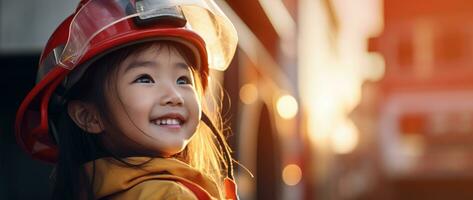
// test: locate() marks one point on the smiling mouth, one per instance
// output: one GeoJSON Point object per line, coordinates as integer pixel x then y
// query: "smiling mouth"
{"type": "Point", "coordinates": [168, 122]}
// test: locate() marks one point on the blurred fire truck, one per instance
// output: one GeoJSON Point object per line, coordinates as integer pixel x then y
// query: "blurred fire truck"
{"type": "Point", "coordinates": [425, 104]}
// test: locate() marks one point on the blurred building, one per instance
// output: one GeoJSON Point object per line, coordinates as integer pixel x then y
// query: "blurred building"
{"type": "Point", "coordinates": [262, 86]}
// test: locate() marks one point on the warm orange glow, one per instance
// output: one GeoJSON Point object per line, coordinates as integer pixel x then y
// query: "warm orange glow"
{"type": "Point", "coordinates": [345, 138]}
{"type": "Point", "coordinates": [279, 17]}
{"type": "Point", "coordinates": [248, 93]}
{"type": "Point", "coordinates": [375, 66]}
{"type": "Point", "coordinates": [245, 184]}
{"type": "Point", "coordinates": [331, 73]}
{"type": "Point", "coordinates": [291, 174]}
{"type": "Point", "coordinates": [287, 106]}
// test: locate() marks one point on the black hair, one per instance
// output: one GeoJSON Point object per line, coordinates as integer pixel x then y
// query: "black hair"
{"type": "Point", "coordinates": [76, 146]}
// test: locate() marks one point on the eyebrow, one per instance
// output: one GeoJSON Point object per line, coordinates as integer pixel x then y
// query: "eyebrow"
{"type": "Point", "coordinates": [136, 64]}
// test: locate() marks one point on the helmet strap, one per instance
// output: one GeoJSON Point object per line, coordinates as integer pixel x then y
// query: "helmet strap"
{"type": "Point", "coordinates": [225, 150]}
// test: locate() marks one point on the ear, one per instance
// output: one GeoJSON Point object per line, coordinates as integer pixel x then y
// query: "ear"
{"type": "Point", "coordinates": [86, 116]}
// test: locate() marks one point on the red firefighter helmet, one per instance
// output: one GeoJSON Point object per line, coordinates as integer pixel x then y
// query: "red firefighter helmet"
{"type": "Point", "coordinates": [100, 26]}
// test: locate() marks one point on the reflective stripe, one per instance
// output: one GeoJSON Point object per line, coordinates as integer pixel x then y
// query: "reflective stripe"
{"type": "Point", "coordinates": [49, 62]}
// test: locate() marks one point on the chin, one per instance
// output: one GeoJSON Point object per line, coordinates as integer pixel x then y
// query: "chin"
{"type": "Point", "coordinates": [172, 151]}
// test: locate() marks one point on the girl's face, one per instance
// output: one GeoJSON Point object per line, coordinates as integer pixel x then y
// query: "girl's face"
{"type": "Point", "coordinates": [154, 106]}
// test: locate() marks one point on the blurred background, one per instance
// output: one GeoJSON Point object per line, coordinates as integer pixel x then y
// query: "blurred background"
{"type": "Point", "coordinates": [326, 99]}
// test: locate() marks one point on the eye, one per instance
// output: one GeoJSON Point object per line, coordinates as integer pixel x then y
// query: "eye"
{"type": "Point", "coordinates": [183, 80]}
{"type": "Point", "coordinates": [144, 78]}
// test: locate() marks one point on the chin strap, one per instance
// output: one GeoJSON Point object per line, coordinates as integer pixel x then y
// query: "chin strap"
{"type": "Point", "coordinates": [225, 150]}
{"type": "Point", "coordinates": [229, 183]}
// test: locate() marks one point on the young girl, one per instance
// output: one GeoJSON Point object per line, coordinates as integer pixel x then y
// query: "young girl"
{"type": "Point", "coordinates": [120, 104]}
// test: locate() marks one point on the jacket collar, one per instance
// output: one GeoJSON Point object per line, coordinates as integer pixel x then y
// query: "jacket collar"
{"type": "Point", "coordinates": [112, 176]}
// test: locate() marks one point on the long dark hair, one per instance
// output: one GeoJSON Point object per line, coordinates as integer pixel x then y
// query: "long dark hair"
{"type": "Point", "coordinates": [76, 146]}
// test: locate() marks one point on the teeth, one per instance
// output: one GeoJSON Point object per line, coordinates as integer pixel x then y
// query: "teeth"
{"type": "Point", "coordinates": [167, 122]}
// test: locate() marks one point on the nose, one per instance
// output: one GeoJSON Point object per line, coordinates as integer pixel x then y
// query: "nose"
{"type": "Point", "coordinates": [171, 95]}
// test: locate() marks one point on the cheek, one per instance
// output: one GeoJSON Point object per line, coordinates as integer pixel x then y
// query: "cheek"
{"type": "Point", "coordinates": [137, 99]}
{"type": "Point", "coordinates": [196, 103]}
{"type": "Point", "coordinates": [130, 103]}
{"type": "Point", "coordinates": [195, 109]}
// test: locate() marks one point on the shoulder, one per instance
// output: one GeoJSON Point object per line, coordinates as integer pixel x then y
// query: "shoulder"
{"type": "Point", "coordinates": [158, 189]}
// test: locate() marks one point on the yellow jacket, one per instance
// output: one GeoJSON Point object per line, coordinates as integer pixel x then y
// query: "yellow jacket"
{"type": "Point", "coordinates": [160, 178]}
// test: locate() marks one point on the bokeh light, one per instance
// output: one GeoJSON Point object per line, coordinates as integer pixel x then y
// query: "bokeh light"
{"type": "Point", "coordinates": [345, 138]}
{"type": "Point", "coordinates": [248, 93]}
{"type": "Point", "coordinates": [291, 174]}
{"type": "Point", "coordinates": [287, 106]}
